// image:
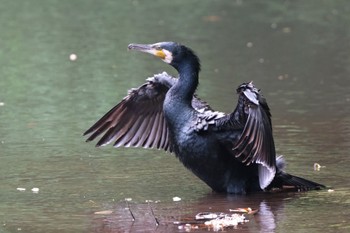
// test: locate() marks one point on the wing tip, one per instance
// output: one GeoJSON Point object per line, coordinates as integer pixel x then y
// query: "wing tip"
{"type": "Point", "coordinates": [86, 132]}
{"type": "Point", "coordinates": [266, 175]}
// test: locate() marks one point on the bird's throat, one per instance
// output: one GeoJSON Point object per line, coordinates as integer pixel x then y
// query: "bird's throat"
{"type": "Point", "coordinates": [187, 84]}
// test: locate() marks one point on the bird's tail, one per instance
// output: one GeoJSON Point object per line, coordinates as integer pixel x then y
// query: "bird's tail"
{"type": "Point", "coordinates": [286, 182]}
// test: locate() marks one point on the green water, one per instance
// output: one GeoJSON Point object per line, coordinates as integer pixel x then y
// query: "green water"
{"type": "Point", "coordinates": [297, 52]}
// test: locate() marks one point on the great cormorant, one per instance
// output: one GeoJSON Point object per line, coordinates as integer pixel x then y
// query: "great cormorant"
{"type": "Point", "coordinates": [233, 153]}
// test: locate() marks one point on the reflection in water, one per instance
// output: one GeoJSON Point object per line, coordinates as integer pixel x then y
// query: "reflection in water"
{"type": "Point", "coordinates": [266, 218]}
{"type": "Point", "coordinates": [147, 215]}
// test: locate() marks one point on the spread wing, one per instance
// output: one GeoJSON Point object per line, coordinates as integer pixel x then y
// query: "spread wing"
{"type": "Point", "coordinates": [255, 144]}
{"type": "Point", "coordinates": [138, 120]}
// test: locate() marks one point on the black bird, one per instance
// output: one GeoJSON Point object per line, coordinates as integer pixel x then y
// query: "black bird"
{"type": "Point", "coordinates": [233, 153]}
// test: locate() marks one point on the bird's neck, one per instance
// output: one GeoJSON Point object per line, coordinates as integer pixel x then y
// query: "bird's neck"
{"type": "Point", "coordinates": [177, 107]}
{"type": "Point", "coordinates": [187, 83]}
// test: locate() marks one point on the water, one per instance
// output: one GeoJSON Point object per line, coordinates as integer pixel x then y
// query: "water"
{"type": "Point", "coordinates": [297, 52]}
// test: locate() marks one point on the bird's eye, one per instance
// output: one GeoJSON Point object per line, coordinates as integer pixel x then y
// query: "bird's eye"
{"type": "Point", "coordinates": [157, 47]}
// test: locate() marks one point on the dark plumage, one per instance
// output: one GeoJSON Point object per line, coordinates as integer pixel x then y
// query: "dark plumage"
{"type": "Point", "coordinates": [232, 153]}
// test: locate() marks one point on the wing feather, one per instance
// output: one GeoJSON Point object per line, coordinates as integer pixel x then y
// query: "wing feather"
{"type": "Point", "coordinates": [255, 143]}
{"type": "Point", "coordinates": [138, 119]}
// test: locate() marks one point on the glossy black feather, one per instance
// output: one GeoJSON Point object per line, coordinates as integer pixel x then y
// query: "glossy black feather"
{"type": "Point", "coordinates": [138, 120]}
{"type": "Point", "coordinates": [232, 153]}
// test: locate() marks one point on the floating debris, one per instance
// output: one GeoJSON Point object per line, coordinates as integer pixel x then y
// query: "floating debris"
{"type": "Point", "coordinates": [2, 103]}
{"type": "Point", "coordinates": [244, 210]}
{"type": "Point", "coordinates": [229, 220]}
{"type": "Point", "coordinates": [216, 221]}
{"type": "Point", "coordinates": [21, 189]}
{"type": "Point", "coordinates": [73, 57]}
{"type": "Point", "coordinates": [318, 167]}
{"type": "Point", "coordinates": [330, 190]}
{"type": "Point", "coordinates": [176, 199]}
{"type": "Point", "coordinates": [188, 227]}
{"type": "Point", "coordinates": [35, 190]}
{"type": "Point", "coordinates": [104, 212]}
{"type": "Point", "coordinates": [208, 215]}
{"type": "Point", "coordinates": [128, 199]}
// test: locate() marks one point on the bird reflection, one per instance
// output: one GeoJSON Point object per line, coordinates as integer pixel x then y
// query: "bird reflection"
{"type": "Point", "coordinates": [168, 216]}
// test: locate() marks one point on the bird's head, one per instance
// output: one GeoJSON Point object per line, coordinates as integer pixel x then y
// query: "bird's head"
{"type": "Point", "coordinates": [173, 53]}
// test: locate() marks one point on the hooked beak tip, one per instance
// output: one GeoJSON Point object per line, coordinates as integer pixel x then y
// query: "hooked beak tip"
{"type": "Point", "coordinates": [130, 46]}
{"type": "Point", "coordinates": [139, 47]}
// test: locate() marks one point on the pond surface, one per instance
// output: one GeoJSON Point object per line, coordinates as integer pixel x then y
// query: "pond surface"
{"type": "Point", "coordinates": [297, 52]}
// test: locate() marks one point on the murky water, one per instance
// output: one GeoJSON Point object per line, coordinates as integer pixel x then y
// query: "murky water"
{"type": "Point", "coordinates": [297, 52]}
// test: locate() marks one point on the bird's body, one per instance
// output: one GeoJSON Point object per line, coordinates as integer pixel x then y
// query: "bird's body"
{"type": "Point", "coordinates": [231, 153]}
